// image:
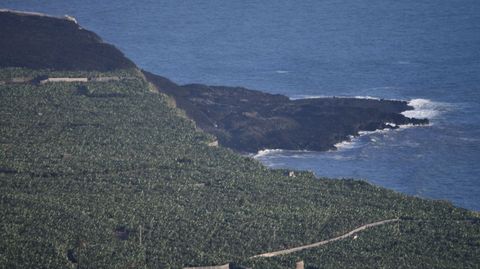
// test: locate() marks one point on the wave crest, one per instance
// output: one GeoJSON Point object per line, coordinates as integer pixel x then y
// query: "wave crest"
{"type": "Point", "coordinates": [265, 152]}
{"type": "Point", "coordinates": [424, 108]}
{"type": "Point", "coordinates": [305, 96]}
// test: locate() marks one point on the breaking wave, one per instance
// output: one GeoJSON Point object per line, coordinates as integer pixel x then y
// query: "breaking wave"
{"type": "Point", "coordinates": [425, 108]}
{"type": "Point", "coordinates": [283, 153]}
{"type": "Point", "coordinates": [347, 144]}
{"type": "Point", "coordinates": [265, 152]}
{"type": "Point", "coordinates": [304, 96]}
{"type": "Point", "coordinates": [354, 141]}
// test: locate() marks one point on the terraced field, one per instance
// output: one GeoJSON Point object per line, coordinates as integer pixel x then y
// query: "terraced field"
{"type": "Point", "coordinates": [110, 175]}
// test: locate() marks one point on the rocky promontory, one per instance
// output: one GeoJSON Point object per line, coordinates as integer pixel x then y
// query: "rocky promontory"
{"type": "Point", "coordinates": [248, 120]}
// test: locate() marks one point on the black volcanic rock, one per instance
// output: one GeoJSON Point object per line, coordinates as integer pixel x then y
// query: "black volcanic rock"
{"type": "Point", "coordinates": [36, 42]}
{"type": "Point", "coordinates": [247, 120]}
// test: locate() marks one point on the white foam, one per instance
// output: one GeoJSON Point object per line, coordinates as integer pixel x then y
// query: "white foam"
{"type": "Point", "coordinates": [345, 145]}
{"type": "Point", "coordinates": [353, 141]}
{"type": "Point", "coordinates": [265, 152]}
{"type": "Point", "coordinates": [424, 108]}
{"type": "Point", "coordinates": [407, 126]}
{"type": "Point", "coordinates": [282, 71]}
{"type": "Point", "coordinates": [378, 131]}
{"type": "Point", "coordinates": [303, 96]}
{"type": "Point", "coordinates": [298, 154]}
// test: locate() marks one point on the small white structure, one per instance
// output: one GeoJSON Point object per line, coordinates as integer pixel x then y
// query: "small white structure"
{"type": "Point", "coordinates": [63, 80]}
{"type": "Point", "coordinates": [213, 144]}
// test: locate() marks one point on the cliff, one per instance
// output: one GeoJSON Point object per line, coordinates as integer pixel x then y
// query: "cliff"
{"type": "Point", "coordinates": [37, 41]}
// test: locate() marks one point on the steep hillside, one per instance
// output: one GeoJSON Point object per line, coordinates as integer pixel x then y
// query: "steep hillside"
{"type": "Point", "coordinates": [33, 41]}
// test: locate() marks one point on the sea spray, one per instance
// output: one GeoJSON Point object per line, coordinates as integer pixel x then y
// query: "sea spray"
{"type": "Point", "coordinates": [425, 108]}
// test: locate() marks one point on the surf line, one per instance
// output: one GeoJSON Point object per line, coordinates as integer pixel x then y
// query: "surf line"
{"type": "Point", "coordinates": [352, 232]}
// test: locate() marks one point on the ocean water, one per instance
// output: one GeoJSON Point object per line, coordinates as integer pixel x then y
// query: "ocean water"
{"type": "Point", "coordinates": [426, 52]}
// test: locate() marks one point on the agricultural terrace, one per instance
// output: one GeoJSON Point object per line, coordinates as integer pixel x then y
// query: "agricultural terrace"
{"type": "Point", "coordinates": [109, 175]}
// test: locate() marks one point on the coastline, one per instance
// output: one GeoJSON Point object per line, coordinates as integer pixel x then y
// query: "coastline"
{"type": "Point", "coordinates": [241, 119]}
{"type": "Point", "coordinates": [248, 121]}
{"type": "Point", "coordinates": [29, 13]}
{"type": "Point", "coordinates": [116, 185]}
{"type": "Point", "coordinates": [351, 139]}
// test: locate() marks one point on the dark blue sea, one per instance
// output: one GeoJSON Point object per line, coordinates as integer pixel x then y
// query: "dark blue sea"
{"type": "Point", "coordinates": [423, 51]}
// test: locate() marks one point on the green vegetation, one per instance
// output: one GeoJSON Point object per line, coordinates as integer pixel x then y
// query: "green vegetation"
{"type": "Point", "coordinates": [108, 175]}
{"type": "Point", "coordinates": [413, 243]}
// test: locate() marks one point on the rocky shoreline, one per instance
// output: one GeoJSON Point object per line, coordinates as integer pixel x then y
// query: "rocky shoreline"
{"type": "Point", "coordinates": [249, 121]}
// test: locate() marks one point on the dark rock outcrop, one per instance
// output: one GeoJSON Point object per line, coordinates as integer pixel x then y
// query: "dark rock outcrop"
{"type": "Point", "coordinates": [36, 41]}
{"type": "Point", "coordinates": [247, 120]}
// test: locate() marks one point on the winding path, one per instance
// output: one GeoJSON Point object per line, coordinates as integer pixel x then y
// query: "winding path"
{"type": "Point", "coordinates": [361, 228]}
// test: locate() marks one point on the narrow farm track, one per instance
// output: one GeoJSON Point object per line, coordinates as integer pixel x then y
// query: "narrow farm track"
{"type": "Point", "coordinates": [361, 228]}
